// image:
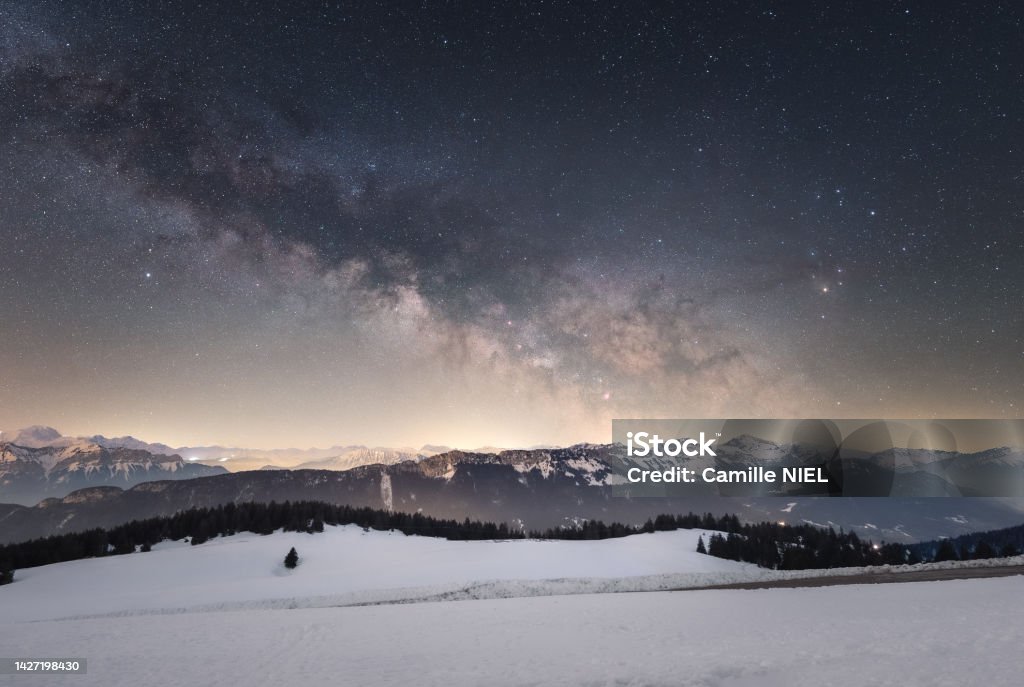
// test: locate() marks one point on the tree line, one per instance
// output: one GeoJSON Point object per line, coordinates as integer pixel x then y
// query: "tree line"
{"type": "Point", "coordinates": [767, 544]}
{"type": "Point", "coordinates": [801, 547]}
{"type": "Point", "coordinates": [1001, 543]}
{"type": "Point", "coordinates": [198, 525]}
{"type": "Point", "coordinates": [797, 547]}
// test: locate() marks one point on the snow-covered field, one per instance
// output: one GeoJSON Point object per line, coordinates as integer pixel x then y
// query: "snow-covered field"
{"type": "Point", "coordinates": [347, 565]}
{"type": "Point", "coordinates": [227, 613]}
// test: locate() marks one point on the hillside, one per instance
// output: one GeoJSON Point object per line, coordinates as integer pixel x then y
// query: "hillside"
{"type": "Point", "coordinates": [227, 612]}
{"type": "Point", "coordinates": [346, 564]}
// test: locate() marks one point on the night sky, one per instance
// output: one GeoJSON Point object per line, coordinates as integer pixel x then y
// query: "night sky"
{"type": "Point", "coordinates": [396, 223]}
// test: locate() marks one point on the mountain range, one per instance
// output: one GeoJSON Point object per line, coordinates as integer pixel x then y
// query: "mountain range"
{"type": "Point", "coordinates": [233, 459]}
{"type": "Point", "coordinates": [60, 484]}
{"type": "Point", "coordinates": [30, 473]}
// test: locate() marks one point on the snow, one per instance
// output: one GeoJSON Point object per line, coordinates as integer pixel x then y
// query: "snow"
{"type": "Point", "coordinates": [48, 456]}
{"type": "Point", "coordinates": [930, 633]}
{"type": "Point", "coordinates": [545, 467]}
{"type": "Point", "coordinates": [358, 456]}
{"type": "Point", "coordinates": [589, 466]}
{"type": "Point", "coordinates": [364, 608]}
{"type": "Point", "coordinates": [346, 566]}
{"type": "Point", "coordinates": [349, 565]}
{"type": "Point", "coordinates": [386, 494]}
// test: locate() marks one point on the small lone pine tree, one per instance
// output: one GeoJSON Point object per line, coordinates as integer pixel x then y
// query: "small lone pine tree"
{"type": "Point", "coordinates": [700, 545]}
{"type": "Point", "coordinates": [292, 559]}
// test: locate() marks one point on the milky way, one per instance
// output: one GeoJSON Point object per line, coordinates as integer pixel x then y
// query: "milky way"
{"type": "Point", "coordinates": [409, 222]}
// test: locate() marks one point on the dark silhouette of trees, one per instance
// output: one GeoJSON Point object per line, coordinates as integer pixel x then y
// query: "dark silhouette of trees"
{"type": "Point", "coordinates": [700, 545]}
{"type": "Point", "coordinates": [292, 559]}
{"type": "Point", "coordinates": [767, 544]}
{"type": "Point", "coordinates": [199, 525]}
{"type": "Point", "coordinates": [1007, 541]}
{"type": "Point", "coordinates": [946, 552]}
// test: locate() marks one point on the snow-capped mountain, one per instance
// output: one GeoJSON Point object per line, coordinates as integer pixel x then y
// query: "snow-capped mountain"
{"type": "Point", "coordinates": [536, 487]}
{"type": "Point", "coordinates": [40, 436]}
{"type": "Point", "coordinates": [35, 436]}
{"type": "Point", "coordinates": [223, 457]}
{"type": "Point", "coordinates": [45, 463]}
{"type": "Point", "coordinates": [359, 455]}
{"type": "Point", "coordinates": [533, 489]}
{"type": "Point", "coordinates": [1001, 457]}
{"type": "Point", "coordinates": [132, 443]}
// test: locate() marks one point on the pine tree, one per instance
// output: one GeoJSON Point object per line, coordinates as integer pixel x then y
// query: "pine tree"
{"type": "Point", "coordinates": [6, 574]}
{"type": "Point", "coordinates": [984, 550]}
{"type": "Point", "coordinates": [700, 545]}
{"type": "Point", "coordinates": [717, 546]}
{"type": "Point", "coordinates": [292, 559]}
{"type": "Point", "coordinates": [946, 552]}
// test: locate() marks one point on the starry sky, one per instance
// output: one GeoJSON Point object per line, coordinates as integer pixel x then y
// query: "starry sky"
{"type": "Point", "coordinates": [466, 223]}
